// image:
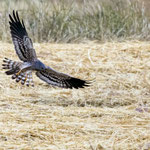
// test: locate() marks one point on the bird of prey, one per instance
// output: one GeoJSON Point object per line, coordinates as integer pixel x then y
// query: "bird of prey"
{"type": "Point", "coordinates": [22, 71]}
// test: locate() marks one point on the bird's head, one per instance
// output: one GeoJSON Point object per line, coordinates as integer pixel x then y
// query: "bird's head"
{"type": "Point", "coordinates": [39, 66]}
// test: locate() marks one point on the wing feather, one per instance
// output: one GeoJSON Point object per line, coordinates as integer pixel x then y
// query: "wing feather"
{"type": "Point", "coordinates": [60, 79]}
{"type": "Point", "coordinates": [22, 43]}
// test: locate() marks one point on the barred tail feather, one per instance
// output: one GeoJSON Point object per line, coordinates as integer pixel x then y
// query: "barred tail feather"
{"type": "Point", "coordinates": [24, 78]}
{"type": "Point", "coordinates": [19, 77]}
{"type": "Point", "coordinates": [29, 80]}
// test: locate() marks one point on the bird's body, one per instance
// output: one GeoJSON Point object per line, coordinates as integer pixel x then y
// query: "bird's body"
{"type": "Point", "coordinates": [38, 65]}
{"type": "Point", "coordinates": [22, 71]}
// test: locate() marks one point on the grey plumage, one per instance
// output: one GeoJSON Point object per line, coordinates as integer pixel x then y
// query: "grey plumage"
{"type": "Point", "coordinates": [22, 71]}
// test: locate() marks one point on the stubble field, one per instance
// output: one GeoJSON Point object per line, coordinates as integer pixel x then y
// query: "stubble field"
{"type": "Point", "coordinates": [113, 113]}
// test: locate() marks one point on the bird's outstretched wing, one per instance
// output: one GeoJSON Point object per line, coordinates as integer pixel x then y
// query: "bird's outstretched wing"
{"type": "Point", "coordinates": [23, 44]}
{"type": "Point", "coordinates": [61, 80]}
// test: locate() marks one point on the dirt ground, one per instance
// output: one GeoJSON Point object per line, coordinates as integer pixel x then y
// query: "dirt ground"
{"type": "Point", "coordinates": [113, 113]}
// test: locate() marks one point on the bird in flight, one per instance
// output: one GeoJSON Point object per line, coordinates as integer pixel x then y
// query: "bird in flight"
{"type": "Point", "coordinates": [22, 71]}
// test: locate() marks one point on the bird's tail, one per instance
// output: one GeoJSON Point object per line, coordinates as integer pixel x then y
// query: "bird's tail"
{"type": "Point", "coordinates": [14, 70]}
{"type": "Point", "coordinates": [12, 66]}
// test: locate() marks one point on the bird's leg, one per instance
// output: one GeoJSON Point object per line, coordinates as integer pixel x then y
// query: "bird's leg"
{"type": "Point", "coordinates": [18, 73]}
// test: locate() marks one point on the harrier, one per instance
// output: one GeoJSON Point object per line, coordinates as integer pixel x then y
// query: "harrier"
{"type": "Point", "coordinates": [22, 71]}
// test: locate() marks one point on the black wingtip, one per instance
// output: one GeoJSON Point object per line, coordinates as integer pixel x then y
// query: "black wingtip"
{"type": "Point", "coordinates": [78, 83]}
{"type": "Point", "coordinates": [13, 12]}
{"type": "Point", "coordinates": [17, 27]}
{"type": "Point", "coordinates": [14, 16]}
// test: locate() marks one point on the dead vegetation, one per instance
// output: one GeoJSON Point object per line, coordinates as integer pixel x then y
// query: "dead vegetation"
{"type": "Point", "coordinates": [75, 21]}
{"type": "Point", "coordinates": [113, 113]}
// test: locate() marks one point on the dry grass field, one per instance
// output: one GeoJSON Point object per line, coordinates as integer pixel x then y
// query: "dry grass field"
{"type": "Point", "coordinates": [113, 113]}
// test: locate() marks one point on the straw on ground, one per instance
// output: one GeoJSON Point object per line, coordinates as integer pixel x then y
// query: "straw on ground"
{"type": "Point", "coordinates": [111, 114]}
